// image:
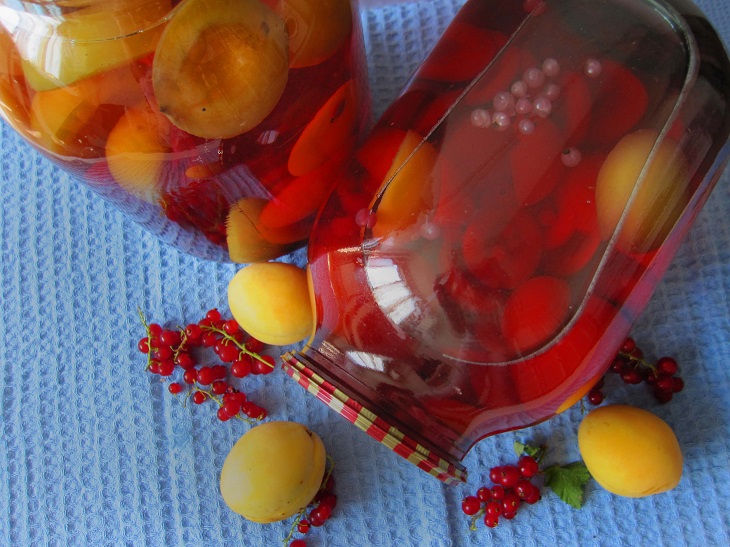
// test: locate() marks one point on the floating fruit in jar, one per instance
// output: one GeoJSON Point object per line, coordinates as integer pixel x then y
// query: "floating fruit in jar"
{"type": "Point", "coordinates": [647, 179]}
{"type": "Point", "coordinates": [630, 451]}
{"type": "Point", "coordinates": [316, 28]}
{"type": "Point", "coordinates": [273, 471]}
{"type": "Point", "coordinates": [221, 66]}
{"type": "Point", "coordinates": [136, 152]}
{"type": "Point", "coordinates": [89, 40]}
{"type": "Point", "coordinates": [245, 240]}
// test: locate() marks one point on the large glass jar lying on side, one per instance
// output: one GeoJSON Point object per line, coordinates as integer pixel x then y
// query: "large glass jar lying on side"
{"type": "Point", "coordinates": [509, 217]}
{"type": "Point", "coordinates": [217, 124]}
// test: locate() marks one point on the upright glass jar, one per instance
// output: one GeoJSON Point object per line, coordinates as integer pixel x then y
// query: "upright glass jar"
{"type": "Point", "coordinates": [219, 125]}
{"type": "Point", "coordinates": [509, 216]}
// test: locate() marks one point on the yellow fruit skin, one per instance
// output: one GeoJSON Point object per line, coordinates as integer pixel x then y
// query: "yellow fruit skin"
{"type": "Point", "coordinates": [660, 199]}
{"type": "Point", "coordinates": [270, 300]}
{"type": "Point", "coordinates": [273, 471]}
{"type": "Point", "coordinates": [246, 243]}
{"type": "Point", "coordinates": [630, 451]}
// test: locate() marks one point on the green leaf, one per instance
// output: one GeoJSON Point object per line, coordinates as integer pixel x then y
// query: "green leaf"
{"type": "Point", "coordinates": [568, 482]}
{"type": "Point", "coordinates": [521, 449]}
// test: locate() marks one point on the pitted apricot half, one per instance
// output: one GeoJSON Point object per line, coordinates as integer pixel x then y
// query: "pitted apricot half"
{"type": "Point", "coordinates": [317, 28]}
{"type": "Point", "coordinates": [245, 240]}
{"type": "Point", "coordinates": [221, 66]}
{"type": "Point", "coordinates": [136, 152]}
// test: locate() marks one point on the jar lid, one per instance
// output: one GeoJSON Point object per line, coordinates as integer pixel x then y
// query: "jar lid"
{"type": "Point", "coordinates": [372, 424]}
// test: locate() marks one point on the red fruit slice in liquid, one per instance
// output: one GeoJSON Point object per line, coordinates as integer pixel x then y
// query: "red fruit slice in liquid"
{"type": "Point", "coordinates": [534, 312]}
{"type": "Point", "coordinates": [507, 260]}
{"type": "Point", "coordinates": [462, 52]}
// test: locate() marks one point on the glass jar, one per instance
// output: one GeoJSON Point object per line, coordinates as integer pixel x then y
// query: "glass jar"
{"type": "Point", "coordinates": [481, 262]}
{"type": "Point", "coordinates": [219, 125]}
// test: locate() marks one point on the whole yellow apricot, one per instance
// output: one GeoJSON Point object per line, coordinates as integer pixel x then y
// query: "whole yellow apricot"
{"type": "Point", "coordinates": [270, 300]}
{"type": "Point", "coordinates": [273, 471]}
{"type": "Point", "coordinates": [630, 451]}
{"type": "Point", "coordinates": [660, 197]}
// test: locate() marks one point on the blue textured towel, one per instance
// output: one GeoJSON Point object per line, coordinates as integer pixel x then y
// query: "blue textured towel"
{"type": "Point", "coordinates": [94, 451]}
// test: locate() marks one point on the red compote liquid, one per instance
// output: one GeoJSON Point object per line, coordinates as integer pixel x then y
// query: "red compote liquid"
{"type": "Point", "coordinates": [220, 125]}
{"type": "Point", "coordinates": [509, 217]}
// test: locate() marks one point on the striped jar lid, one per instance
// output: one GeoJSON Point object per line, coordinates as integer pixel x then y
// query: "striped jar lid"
{"type": "Point", "coordinates": [370, 423]}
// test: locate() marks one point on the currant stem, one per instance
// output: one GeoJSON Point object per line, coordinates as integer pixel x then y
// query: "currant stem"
{"type": "Point", "coordinates": [239, 345]}
{"type": "Point", "coordinates": [149, 337]}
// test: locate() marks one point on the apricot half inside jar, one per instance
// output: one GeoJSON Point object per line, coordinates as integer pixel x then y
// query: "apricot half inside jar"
{"type": "Point", "coordinates": [221, 66]}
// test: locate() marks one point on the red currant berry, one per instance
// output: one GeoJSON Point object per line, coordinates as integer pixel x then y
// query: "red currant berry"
{"type": "Point", "coordinates": [595, 396]}
{"type": "Point", "coordinates": [231, 327]}
{"type": "Point", "coordinates": [314, 520]}
{"type": "Point", "coordinates": [618, 365]}
{"type": "Point", "coordinates": [667, 365]}
{"type": "Point", "coordinates": [209, 339]}
{"type": "Point", "coordinates": [509, 516]}
{"type": "Point", "coordinates": [329, 500]}
{"type": "Point", "coordinates": [213, 315]}
{"type": "Point", "coordinates": [677, 384]}
{"type": "Point", "coordinates": [199, 397]}
{"type": "Point", "coordinates": [190, 376]}
{"type": "Point", "coordinates": [534, 497]}
{"type": "Point", "coordinates": [154, 367]}
{"type": "Point", "coordinates": [510, 503]}
{"type": "Point", "coordinates": [663, 396]}
{"type": "Point", "coordinates": [169, 338]}
{"type": "Point", "coordinates": [498, 492]}
{"type": "Point", "coordinates": [471, 505]}
{"type": "Point", "coordinates": [491, 521]}
{"type": "Point", "coordinates": [321, 512]}
{"type": "Point", "coordinates": [264, 365]}
{"type": "Point", "coordinates": [298, 543]}
{"type": "Point", "coordinates": [493, 508]}
{"type": "Point", "coordinates": [631, 376]}
{"type": "Point", "coordinates": [637, 354]}
{"type": "Point", "coordinates": [664, 382]}
{"type": "Point", "coordinates": [205, 375]}
{"type": "Point", "coordinates": [219, 372]}
{"type": "Point", "coordinates": [253, 410]}
{"type": "Point", "coordinates": [174, 388]}
{"type": "Point", "coordinates": [193, 334]}
{"type": "Point", "coordinates": [163, 353]}
{"type": "Point", "coordinates": [219, 387]}
{"type": "Point", "coordinates": [228, 353]}
{"type": "Point", "coordinates": [628, 346]}
{"type": "Point", "coordinates": [167, 367]}
{"type": "Point", "coordinates": [525, 489]}
{"type": "Point", "coordinates": [241, 367]}
{"type": "Point", "coordinates": [154, 329]}
{"type": "Point", "coordinates": [495, 474]}
{"type": "Point", "coordinates": [232, 408]}
{"type": "Point", "coordinates": [254, 346]}
{"type": "Point", "coordinates": [484, 494]}
{"type": "Point", "coordinates": [303, 527]}
{"type": "Point", "coordinates": [144, 345]}
{"type": "Point", "coordinates": [222, 415]}
{"type": "Point", "coordinates": [184, 360]}
{"type": "Point", "coordinates": [509, 476]}
{"type": "Point", "coordinates": [528, 466]}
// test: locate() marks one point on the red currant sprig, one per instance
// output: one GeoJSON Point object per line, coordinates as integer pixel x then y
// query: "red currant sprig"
{"type": "Point", "coordinates": [512, 486]}
{"type": "Point", "coordinates": [168, 350]}
{"type": "Point", "coordinates": [633, 368]}
{"type": "Point", "coordinates": [318, 511]}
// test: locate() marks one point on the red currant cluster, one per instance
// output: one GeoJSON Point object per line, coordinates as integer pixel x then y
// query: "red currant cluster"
{"type": "Point", "coordinates": [320, 509]}
{"type": "Point", "coordinates": [169, 349]}
{"type": "Point", "coordinates": [633, 368]}
{"type": "Point", "coordinates": [512, 486]}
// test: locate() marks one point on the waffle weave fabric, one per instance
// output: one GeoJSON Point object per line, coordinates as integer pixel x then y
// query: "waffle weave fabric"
{"type": "Point", "coordinates": [95, 452]}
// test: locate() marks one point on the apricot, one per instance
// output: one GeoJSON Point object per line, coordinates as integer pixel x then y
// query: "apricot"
{"type": "Point", "coordinates": [221, 66]}
{"type": "Point", "coordinates": [407, 187]}
{"type": "Point", "coordinates": [316, 28]}
{"type": "Point", "coordinates": [273, 471]}
{"type": "Point", "coordinates": [630, 451]}
{"type": "Point", "coordinates": [270, 300]}
{"type": "Point", "coordinates": [57, 117]}
{"type": "Point", "coordinates": [660, 197]}
{"type": "Point", "coordinates": [246, 243]}
{"type": "Point", "coordinates": [90, 40]}
{"type": "Point", "coordinates": [136, 152]}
